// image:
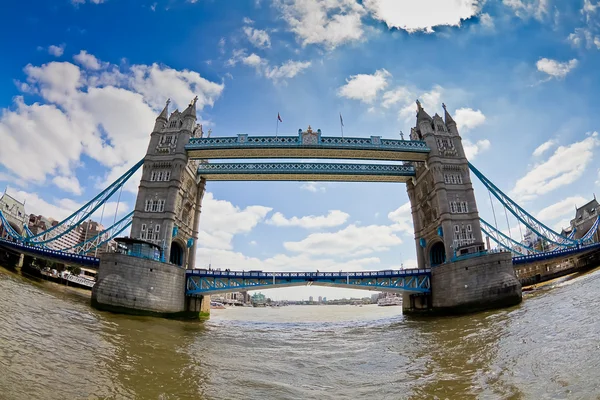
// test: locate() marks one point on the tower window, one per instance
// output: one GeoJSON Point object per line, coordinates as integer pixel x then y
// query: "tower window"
{"type": "Point", "coordinates": [157, 228]}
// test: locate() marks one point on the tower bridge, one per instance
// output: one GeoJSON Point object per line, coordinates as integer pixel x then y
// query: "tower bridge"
{"type": "Point", "coordinates": [154, 271]}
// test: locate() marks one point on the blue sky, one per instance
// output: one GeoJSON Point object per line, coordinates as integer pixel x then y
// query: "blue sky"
{"type": "Point", "coordinates": [83, 81]}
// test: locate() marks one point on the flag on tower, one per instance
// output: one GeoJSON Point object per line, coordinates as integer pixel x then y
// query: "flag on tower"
{"type": "Point", "coordinates": [279, 118]}
{"type": "Point", "coordinates": [341, 120]}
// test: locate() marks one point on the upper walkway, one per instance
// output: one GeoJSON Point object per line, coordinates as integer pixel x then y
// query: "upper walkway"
{"type": "Point", "coordinates": [305, 172]}
{"type": "Point", "coordinates": [308, 144]}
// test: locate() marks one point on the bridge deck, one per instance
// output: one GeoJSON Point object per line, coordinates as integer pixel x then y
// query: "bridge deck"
{"type": "Point", "coordinates": [203, 282]}
{"type": "Point", "coordinates": [307, 145]}
{"type": "Point", "coordinates": [305, 172]}
{"type": "Point", "coordinates": [49, 254]}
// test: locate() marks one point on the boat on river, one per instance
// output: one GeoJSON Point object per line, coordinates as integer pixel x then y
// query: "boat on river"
{"type": "Point", "coordinates": [390, 301]}
{"type": "Point", "coordinates": [215, 305]}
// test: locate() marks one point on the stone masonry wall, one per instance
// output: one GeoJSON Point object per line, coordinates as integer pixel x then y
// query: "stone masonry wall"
{"type": "Point", "coordinates": [136, 284]}
{"type": "Point", "coordinates": [475, 284]}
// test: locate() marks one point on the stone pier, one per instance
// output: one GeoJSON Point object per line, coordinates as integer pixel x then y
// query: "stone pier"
{"type": "Point", "coordinates": [139, 286]}
{"type": "Point", "coordinates": [468, 285]}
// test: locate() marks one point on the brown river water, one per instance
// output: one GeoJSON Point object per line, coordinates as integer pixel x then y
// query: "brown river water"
{"type": "Point", "coordinates": [53, 345]}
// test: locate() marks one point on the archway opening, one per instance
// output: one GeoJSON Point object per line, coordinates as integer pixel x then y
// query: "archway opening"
{"type": "Point", "coordinates": [438, 254]}
{"type": "Point", "coordinates": [176, 254]}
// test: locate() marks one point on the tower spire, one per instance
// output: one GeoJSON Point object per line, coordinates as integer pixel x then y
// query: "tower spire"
{"type": "Point", "coordinates": [447, 117]}
{"type": "Point", "coordinates": [421, 114]}
{"type": "Point", "coordinates": [191, 109]}
{"type": "Point", "coordinates": [164, 114]}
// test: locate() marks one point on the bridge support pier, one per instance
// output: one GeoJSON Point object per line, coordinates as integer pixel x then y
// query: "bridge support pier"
{"type": "Point", "coordinates": [469, 285]}
{"type": "Point", "coordinates": [138, 286]}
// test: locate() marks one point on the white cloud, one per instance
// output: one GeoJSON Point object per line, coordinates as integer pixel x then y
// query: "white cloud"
{"type": "Point", "coordinates": [88, 61]}
{"type": "Point", "coordinates": [313, 187]}
{"type": "Point", "coordinates": [431, 100]}
{"type": "Point", "coordinates": [333, 218]}
{"type": "Point", "coordinates": [565, 166]}
{"type": "Point", "coordinates": [556, 69]}
{"type": "Point", "coordinates": [402, 219]}
{"type": "Point", "coordinates": [153, 6]}
{"type": "Point", "coordinates": [351, 241]}
{"type": "Point", "coordinates": [257, 37]}
{"type": "Point", "coordinates": [399, 95]}
{"type": "Point", "coordinates": [487, 21]}
{"type": "Point", "coordinates": [467, 119]}
{"type": "Point", "coordinates": [525, 9]}
{"type": "Point", "coordinates": [253, 60]}
{"type": "Point", "coordinates": [473, 149]}
{"type": "Point", "coordinates": [289, 69]}
{"type": "Point", "coordinates": [68, 184]}
{"type": "Point", "coordinates": [562, 208]}
{"type": "Point", "coordinates": [102, 114]}
{"type": "Point", "coordinates": [422, 15]}
{"type": "Point", "coordinates": [56, 51]}
{"type": "Point", "coordinates": [365, 87]}
{"type": "Point", "coordinates": [248, 21]}
{"type": "Point", "coordinates": [326, 22]}
{"type": "Point", "coordinates": [59, 209]}
{"type": "Point", "coordinates": [542, 148]}
{"type": "Point", "coordinates": [157, 83]}
{"type": "Point", "coordinates": [220, 221]}
{"type": "Point", "coordinates": [77, 2]}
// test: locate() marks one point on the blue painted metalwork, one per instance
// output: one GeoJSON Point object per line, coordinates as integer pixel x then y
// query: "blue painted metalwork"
{"type": "Point", "coordinates": [204, 282]}
{"type": "Point", "coordinates": [373, 142]}
{"type": "Point", "coordinates": [531, 222]}
{"type": "Point", "coordinates": [79, 216]}
{"type": "Point", "coordinates": [103, 237]}
{"type": "Point", "coordinates": [322, 169]}
{"type": "Point", "coordinates": [555, 254]}
{"type": "Point", "coordinates": [61, 256]}
{"type": "Point", "coordinates": [502, 240]}
{"type": "Point", "coordinates": [204, 148]}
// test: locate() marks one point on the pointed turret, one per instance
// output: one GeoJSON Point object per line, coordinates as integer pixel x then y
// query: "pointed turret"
{"type": "Point", "coordinates": [162, 118]}
{"type": "Point", "coordinates": [450, 123]}
{"type": "Point", "coordinates": [421, 114]}
{"type": "Point", "coordinates": [191, 109]}
{"type": "Point", "coordinates": [447, 116]}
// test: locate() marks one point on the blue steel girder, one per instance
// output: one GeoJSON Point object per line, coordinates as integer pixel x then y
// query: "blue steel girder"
{"type": "Point", "coordinates": [79, 216]}
{"type": "Point", "coordinates": [203, 282]}
{"type": "Point", "coordinates": [306, 145]}
{"type": "Point", "coordinates": [501, 239]}
{"type": "Point", "coordinates": [306, 172]}
{"type": "Point", "coordinates": [101, 238]}
{"type": "Point", "coordinates": [527, 219]}
{"type": "Point", "coordinates": [49, 254]}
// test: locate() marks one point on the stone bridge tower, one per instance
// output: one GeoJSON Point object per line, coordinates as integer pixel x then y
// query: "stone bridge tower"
{"type": "Point", "coordinates": [167, 209]}
{"type": "Point", "coordinates": [442, 200]}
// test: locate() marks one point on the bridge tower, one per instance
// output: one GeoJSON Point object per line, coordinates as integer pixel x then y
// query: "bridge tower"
{"type": "Point", "coordinates": [464, 277]}
{"type": "Point", "coordinates": [443, 206]}
{"type": "Point", "coordinates": [167, 209]}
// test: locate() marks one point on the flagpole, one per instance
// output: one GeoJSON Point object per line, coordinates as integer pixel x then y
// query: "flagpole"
{"type": "Point", "coordinates": [277, 128]}
{"type": "Point", "coordinates": [342, 125]}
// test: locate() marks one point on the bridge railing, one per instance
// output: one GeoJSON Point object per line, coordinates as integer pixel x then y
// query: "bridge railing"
{"type": "Point", "coordinates": [553, 254]}
{"type": "Point", "coordinates": [342, 274]}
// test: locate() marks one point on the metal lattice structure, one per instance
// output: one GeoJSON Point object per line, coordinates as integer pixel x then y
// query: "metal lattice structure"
{"type": "Point", "coordinates": [204, 282]}
{"type": "Point", "coordinates": [306, 172]}
{"type": "Point", "coordinates": [504, 241]}
{"type": "Point", "coordinates": [527, 219]}
{"type": "Point", "coordinates": [75, 219]}
{"type": "Point", "coordinates": [49, 254]}
{"type": "Point", "coordinates": [98, 240]}
{"type": "Point", "coordinates": [307, 144]}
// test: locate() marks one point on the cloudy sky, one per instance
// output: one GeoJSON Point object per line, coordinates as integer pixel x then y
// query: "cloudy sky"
{"type": "Point", "coordinates": [83, 81]}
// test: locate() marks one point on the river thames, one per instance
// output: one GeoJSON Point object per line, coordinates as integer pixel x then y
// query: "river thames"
{"type": "Point", "coordinates": [53, 345]}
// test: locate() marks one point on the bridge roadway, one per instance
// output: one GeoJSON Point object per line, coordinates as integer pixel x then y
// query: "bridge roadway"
{"type": "Point", "coordinates": [205, 282]}
{"type": "Point", "coordinates": [49, 254]}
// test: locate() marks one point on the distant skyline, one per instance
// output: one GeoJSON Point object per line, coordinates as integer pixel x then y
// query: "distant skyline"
{"type": "Point", "coordinates": [83, 81]}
